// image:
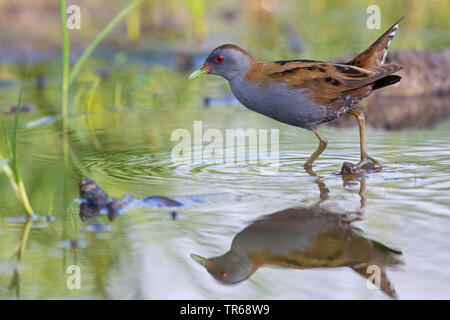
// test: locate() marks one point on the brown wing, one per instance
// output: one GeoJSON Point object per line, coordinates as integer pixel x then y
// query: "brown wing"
{"type": "Point", "coordinates": [338, 86]}
{"type": "Point", "coordinates": [336, 249]}
{"type": "Point", "coordinates": [324, 81]}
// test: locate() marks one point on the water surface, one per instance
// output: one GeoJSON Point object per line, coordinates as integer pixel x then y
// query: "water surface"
{"type": "Point", "coordinates": [146, 254]}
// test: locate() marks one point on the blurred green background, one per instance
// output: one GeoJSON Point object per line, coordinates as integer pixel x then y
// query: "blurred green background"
{"type": "Point", "coordinates": [269, 28]}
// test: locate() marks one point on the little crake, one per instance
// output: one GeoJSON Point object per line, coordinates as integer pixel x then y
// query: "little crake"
{"type": "Point", "coordinates": [306, 93]}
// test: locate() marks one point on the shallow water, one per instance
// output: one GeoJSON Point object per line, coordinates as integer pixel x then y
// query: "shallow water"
{"type": "Point", "coordinates": [295, 234]}
{"type": "Point", "coordinates": [145, 253]}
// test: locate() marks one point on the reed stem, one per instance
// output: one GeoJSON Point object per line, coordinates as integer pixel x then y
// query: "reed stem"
{"type": "Point", "coordinates": [65, 59]}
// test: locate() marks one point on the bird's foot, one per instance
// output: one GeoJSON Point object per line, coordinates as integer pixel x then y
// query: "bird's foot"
{"type": "Point", "coordinates": [366, 165]}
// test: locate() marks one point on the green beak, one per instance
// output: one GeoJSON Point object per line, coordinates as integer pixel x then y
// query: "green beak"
{"type": "Point", "coordinates": [197, 73]}
{"type": "Point", "coordinates": [200, 260]}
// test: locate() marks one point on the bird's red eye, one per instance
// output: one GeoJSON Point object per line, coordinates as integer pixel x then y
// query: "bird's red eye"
{"type": "Point", "coordinates": [218, 59]}
{"type": "Point", "coordinates": [222, 273]}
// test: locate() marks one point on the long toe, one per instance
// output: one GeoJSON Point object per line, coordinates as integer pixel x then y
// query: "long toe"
{"type": "Point", "coordinates": [366, 165]}
{"type": "Point", "coordinates": [376, 163]}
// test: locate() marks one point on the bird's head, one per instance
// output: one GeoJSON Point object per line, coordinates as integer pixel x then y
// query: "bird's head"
{"type": "Point", "coordinates": [228, 61]}
{"type": "Point", "coordinates": [227, 269]}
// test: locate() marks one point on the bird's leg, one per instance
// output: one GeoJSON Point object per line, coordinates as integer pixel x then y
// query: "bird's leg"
{"type": "Point", "coordinates": [362, 136]}
{"type": "Point", "coordinates": [322, 145]}
{"type": "Point", "coordinates": [324, 191]}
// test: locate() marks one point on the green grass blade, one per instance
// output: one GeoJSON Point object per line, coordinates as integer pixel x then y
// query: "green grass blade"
{"type": "Point", "coordinates": [24, 197]}
{"type": "Point", "coordinates": [13, 172]}
{"type": "Point", "coordinates": [65, 59]}
{"type": "Point", "coordinates": [77, 66]}
{"type": "Point", "coordinates": [7, 170]}
{"type": "Point", "coordinates": [17, 184]}
{"type": "Point", "coordinates": [24, 239]}
{"type": "Point", "coordinates": [13, 142]}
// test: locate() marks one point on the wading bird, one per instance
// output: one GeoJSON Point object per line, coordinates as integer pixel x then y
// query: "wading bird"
{"type": "Point", "coordinates": [306, 93]}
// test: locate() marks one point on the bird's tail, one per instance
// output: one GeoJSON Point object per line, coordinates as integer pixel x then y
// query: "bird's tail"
{"type": "Point", "coordinates": [376, 53]}
{"type": "Point", "coordinates": [385, 284]}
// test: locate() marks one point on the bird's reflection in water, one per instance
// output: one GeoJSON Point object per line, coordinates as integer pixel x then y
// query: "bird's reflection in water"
{"type": "Point", "coordinates": [304, 238]}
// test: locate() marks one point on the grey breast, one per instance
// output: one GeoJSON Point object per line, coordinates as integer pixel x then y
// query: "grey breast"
{"type": "Point", "coordinates": [280, 102]}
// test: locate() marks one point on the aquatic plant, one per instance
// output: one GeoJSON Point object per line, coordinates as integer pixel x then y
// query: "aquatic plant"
{"type": "Point", "coordinates": [65, 59]}
{"type": "Point", "coordinates": [12, 172]}
{"type": "Point", "coordinates": [69, 74]}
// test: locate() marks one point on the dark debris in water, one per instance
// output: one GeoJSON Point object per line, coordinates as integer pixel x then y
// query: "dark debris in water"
{"type": "Point", "coordinates": [90, 191]}
{"type": "Point", "coordinates": [161, 202]}
{"type": "Point", "coordinates": [96, 201]}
